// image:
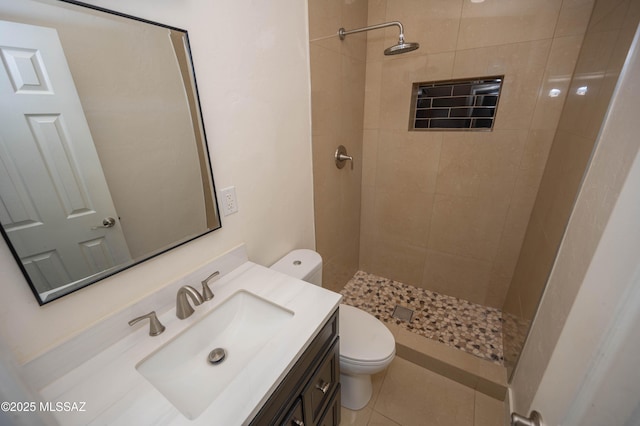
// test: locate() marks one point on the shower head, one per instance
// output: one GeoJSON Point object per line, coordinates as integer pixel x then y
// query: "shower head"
{"type": "Point", "coordinates": [401, 47]}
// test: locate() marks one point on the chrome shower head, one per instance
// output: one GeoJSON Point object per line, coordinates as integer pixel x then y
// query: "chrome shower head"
{"type": "Point", "coordinates": [401, 47]}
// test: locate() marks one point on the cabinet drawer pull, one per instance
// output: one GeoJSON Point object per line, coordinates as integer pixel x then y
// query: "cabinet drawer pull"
{"type": "Point", "coordinates": [297, 422]}
{"type": "Point", "coordinates": [323, 386]}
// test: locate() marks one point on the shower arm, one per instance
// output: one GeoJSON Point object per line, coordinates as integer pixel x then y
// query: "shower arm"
{"type": "Point", "coordinates": [342, 33]}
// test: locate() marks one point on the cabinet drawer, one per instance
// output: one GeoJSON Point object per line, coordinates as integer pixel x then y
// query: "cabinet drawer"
{"type": "Point", "coordinates": [331, 416]}
{"type": "Point", "coordinates": [295, 416]}
{"type": "Point", "coordinates": [278, 406]}
{"type": "Point", "coordinates": [323, 384]}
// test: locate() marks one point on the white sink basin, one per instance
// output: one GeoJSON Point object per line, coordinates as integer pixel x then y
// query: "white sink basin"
{"type": "Point", "coordinates": [180, 369]}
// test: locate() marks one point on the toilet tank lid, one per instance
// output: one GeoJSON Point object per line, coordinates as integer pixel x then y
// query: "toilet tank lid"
{"type": "Point", "coordinates": [300, 263]}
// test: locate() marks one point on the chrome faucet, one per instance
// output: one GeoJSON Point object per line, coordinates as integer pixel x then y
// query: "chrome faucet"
{"type": "Point", "coordinates": [183, 307]}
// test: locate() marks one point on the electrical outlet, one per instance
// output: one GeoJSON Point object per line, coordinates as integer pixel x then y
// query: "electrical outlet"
{"type": "Point", "coordinates": [229, 201]}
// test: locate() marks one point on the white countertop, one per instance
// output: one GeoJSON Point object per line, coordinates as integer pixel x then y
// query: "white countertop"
{"type": "Point", "coordinates": [115, 393]}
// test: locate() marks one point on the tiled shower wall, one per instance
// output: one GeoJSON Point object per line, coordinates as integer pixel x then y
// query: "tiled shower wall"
{"type": "Point", "coordinates": [337, 108]}
{"type": "Point", "coordinates": [444, 210]}
{"type": "Point", "coordinates": [606, 43]}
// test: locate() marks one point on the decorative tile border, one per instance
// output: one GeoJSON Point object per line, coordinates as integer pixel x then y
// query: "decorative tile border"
{"type": "Point", "coordinates": [467, 326]}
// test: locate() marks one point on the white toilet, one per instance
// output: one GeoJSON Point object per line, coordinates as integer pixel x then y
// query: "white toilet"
{"type": "Point", "coordinates": [366, 345]}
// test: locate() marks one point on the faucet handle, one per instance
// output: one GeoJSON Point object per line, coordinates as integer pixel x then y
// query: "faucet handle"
{"type": "Point", "coordinates": [155, 326]}
{"type": "Point", "coordinates": [207, 294]}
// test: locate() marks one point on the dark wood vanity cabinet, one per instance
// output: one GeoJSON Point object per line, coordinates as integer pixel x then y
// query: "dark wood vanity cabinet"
{"type": "Point", "coordinates": [310, 393]}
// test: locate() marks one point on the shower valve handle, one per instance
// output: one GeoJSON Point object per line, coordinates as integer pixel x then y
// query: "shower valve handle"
{"type": "Point", "coordinates": [341, 157]}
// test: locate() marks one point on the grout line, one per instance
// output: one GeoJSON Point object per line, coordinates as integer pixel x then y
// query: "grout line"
{"type": "Point", "coordinates": [473, 407]}
{"type": "Point", "coordinates": [377, 396]}
{"type": "Point", "coordinates": [324, 38]}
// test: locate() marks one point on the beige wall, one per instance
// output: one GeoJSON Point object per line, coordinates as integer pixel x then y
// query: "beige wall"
{"type": "Point", "coordinates": [598, 257]}
{"type": "Point", "coordinates": [337, 86]}
{"type": "Point", "coordinates": [151, 168]}
{"type": "Point", "coordinates": [604, 49]}
{"type": "Point", "coordinates": [448, 211]}
{"type": "Point", "coordinates": [255, 98]}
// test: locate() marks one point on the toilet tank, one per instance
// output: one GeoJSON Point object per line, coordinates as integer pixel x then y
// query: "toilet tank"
{"type": "Point", "coordinates": [303, 264]}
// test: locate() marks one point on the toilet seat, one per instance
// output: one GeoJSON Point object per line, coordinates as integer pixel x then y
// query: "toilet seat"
{"type": "Point", "coordinates": [364, 340]}
{"type": "Point", "coordinates": [366, 345]}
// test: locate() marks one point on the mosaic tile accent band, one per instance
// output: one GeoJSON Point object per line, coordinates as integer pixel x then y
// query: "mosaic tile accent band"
{"type": "Point", "coordinates": [458, 323]}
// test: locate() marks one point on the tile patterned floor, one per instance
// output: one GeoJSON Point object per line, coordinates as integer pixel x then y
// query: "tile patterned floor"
{"type": "Point", "coordinates": [467, 326]}
{"type": "Point", "coordinates": [408, 395]}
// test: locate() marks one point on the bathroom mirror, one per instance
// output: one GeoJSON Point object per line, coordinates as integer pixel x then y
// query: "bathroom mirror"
{"type": "Point", "coordinates": [103, 155]}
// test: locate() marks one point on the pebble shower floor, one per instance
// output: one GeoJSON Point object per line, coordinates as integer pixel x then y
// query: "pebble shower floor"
{"type": "Point", "coordinates": [458, 323]}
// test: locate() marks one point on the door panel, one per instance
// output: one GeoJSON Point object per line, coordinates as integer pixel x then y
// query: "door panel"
{"type": "Point", "coordinates": [53, 187]}
{"type": "Point", "coordinates": [52, 142]}
{"type": "Point", "coordinates": [46, 270]}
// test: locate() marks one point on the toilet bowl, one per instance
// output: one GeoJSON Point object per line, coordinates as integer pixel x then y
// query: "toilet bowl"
{"type": "Point", "coordinates": [366, 345]}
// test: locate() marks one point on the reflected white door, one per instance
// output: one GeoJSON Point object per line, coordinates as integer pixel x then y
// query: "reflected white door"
{"type": "Point", "coordinates": [52, 187]}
